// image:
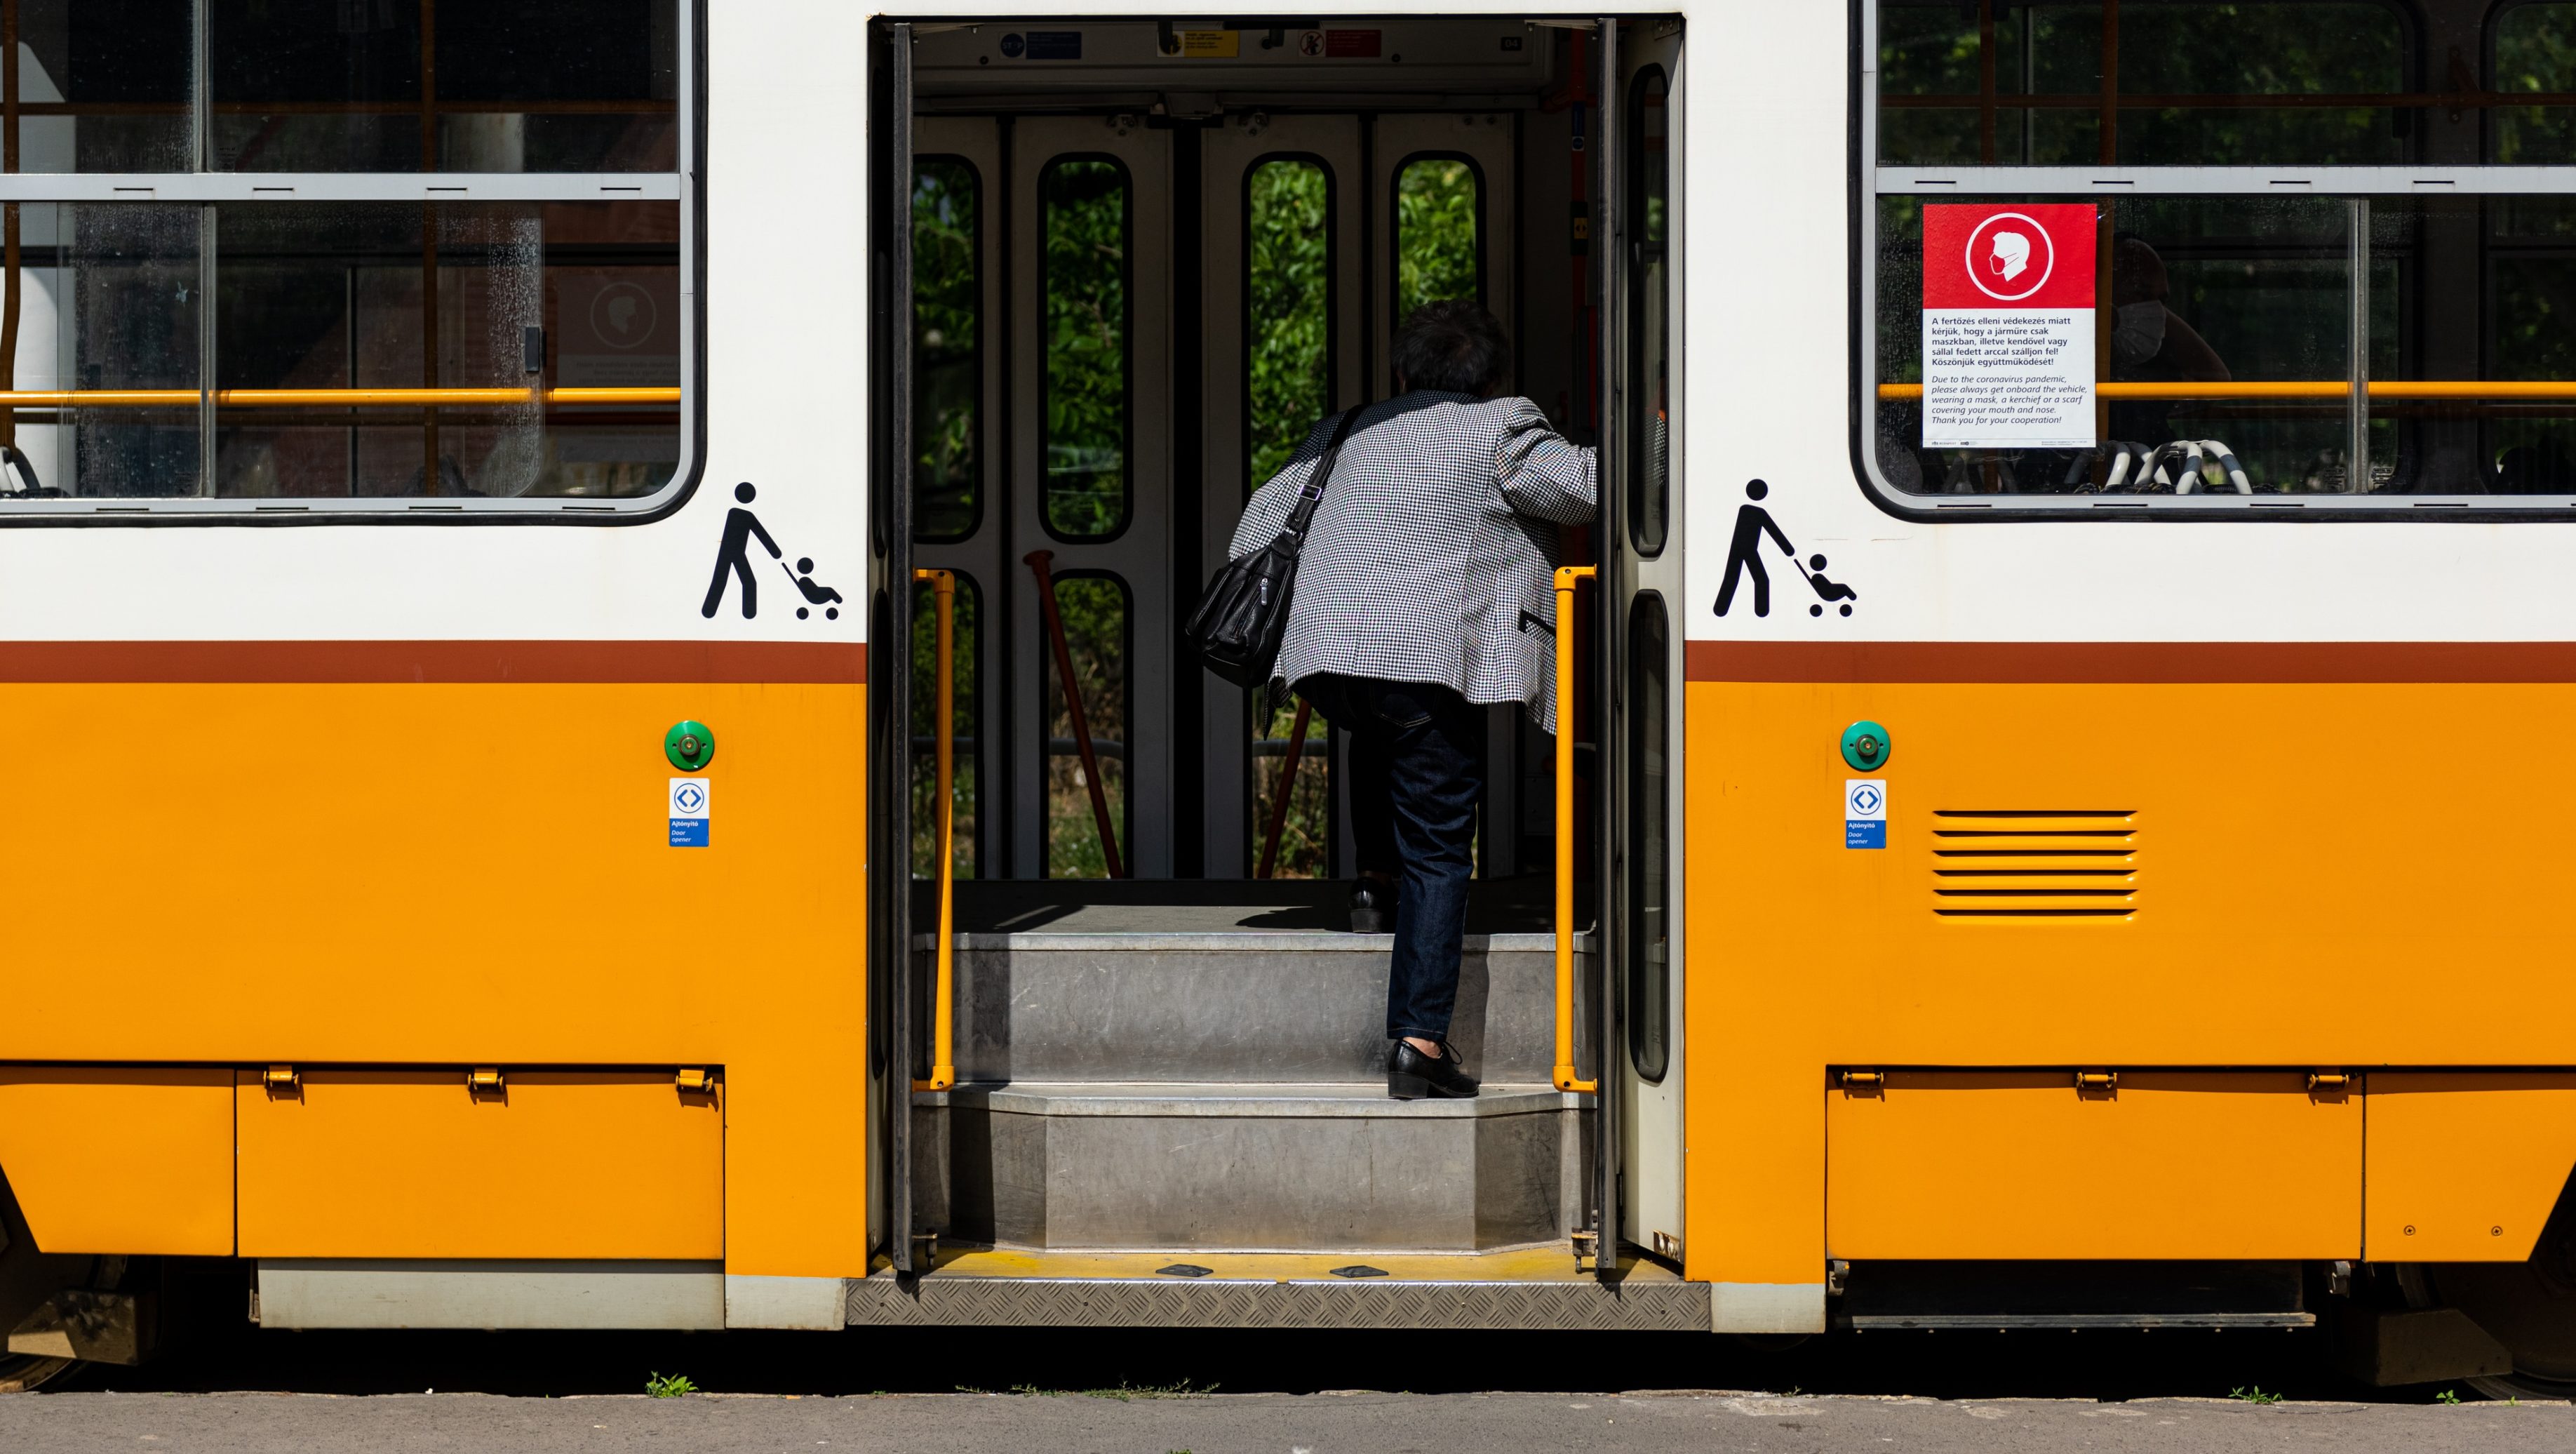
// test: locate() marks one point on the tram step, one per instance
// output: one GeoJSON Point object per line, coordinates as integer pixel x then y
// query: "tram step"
{"type": "Point", "coordinates": [1231, 1166]}
{"type": "Point", "coordinates": [1251, 1006]}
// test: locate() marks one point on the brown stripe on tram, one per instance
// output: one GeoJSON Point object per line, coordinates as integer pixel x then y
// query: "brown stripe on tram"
{"type": "Point", "coordinates": [560, 662]}
{"type": "Point", "coordinates": [2131, 661]}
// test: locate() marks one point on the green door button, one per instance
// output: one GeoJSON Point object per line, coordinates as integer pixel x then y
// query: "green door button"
{"type": "Point", "coordinates": [1866, 746]}
{"type": "Point", "coordinates": [689, 745]}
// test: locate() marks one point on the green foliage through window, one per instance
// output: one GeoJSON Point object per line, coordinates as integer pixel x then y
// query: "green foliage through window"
{"type": "Point", "coordinates": [1439, 222]}
{"type": "Point", "coordinates": [1094, 609]}
{"type": "Point", "coordinates": [947, 380]}
{"type": "Point", "coordinates": [1287, 305]}
{"type": "Point", "coordinates": [1083, 461]}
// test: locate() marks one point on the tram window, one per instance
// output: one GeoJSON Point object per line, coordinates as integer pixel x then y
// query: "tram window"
{"type": "Point", "coordinates": [334, 296]}
{"type": "Point", "coordinates": [948, 362]}
{"type": "Point", "coordinates": [1084, 405]}
{"type": "Point", "coordinates": [1439, 232]}
{"type": "Point", "coordinates": [1650, 310]}
{"type": "Point", "coordinates": [2535, 53]}
{"type": "Point", "coordinates": [502, 86]}
{"type": "Point", "coordinates": [2243, 290]}
{"type": "Point", "coordinates": [1649, 936]}
{"type": "Point", "coordinates": [1287, 310]}
{"type": "Point", "coordinates": [1094, 609]}
{"type": "Point", "coordinates": [109, 83]}
{"type": "Point", "coordinates": [965, 751]}
{"type": "Point", "coordinates": [1306, 831]}
{"type": "Point", "coordinates": [98, 303]}
{"type": "Point", "coordinates": [2196, 83]}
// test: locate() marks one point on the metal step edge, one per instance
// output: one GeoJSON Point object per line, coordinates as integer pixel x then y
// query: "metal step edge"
{"type": "Point", "coordinates": [1245, 1099]}
{"type": "Point", "coordinates": [1262, 941]}
{"type": "Point", "coordinates": [2067, 1322]}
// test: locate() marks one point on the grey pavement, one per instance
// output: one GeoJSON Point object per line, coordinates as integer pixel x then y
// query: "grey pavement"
{"type": "Point", "coordinates": [1314, 1423]}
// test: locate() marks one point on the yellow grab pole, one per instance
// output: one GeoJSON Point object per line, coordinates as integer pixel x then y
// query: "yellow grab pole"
{"type": "Point", "coordinates": [1567, 578]}
{"type": "Point", "coordinates": [943, 1015]}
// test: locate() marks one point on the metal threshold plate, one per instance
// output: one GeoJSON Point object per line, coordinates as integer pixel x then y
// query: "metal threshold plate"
{"type": "Point", "coordinates": [2069, 1322]}
{"type": "Point", "coordinates": [1527, 1288]}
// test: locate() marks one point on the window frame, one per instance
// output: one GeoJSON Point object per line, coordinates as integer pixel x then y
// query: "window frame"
{"type": "Point", "coordinates": [1640, 384]}
{"type": "Point", "coordinates": [1873, 179]}
{"type": "Point", "coordinates": [209, 189]}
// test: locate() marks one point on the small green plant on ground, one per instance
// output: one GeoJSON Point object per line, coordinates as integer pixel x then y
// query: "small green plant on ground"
{"type": "Point", "coordinates": [2447, 1396]}
{"type": "Point", "coordinates": [675, 1385]}
{"type": "Point", "coordinates": [1126, 1391]}
{"type": "Point", "coordinates": [2254, 1396]}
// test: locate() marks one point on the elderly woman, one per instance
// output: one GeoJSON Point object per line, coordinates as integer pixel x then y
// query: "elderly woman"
{"type": "Point", "coordinates": [1426, 591]}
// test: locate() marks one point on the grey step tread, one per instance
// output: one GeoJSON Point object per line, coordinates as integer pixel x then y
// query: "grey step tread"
{"type": "Point", "coordinates": [1253, 941]}
{"type": "Point", "coordinates": [1244, 1100]}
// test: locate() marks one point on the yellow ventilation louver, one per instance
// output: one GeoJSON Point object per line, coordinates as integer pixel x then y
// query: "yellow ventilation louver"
{"type": "Point", "coordinates": [2024, 863]}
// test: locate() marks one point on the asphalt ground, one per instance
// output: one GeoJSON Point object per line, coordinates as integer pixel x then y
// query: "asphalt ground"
{"type": "Point", "coordinates": [1327, 1423]}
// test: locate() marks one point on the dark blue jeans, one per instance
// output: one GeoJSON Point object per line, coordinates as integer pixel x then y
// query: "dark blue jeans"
{"type": "Point", "coordinates": [1417, 768]}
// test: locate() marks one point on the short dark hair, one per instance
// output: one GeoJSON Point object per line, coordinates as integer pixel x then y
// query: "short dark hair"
{"type": "Point", "coordinates": [1453, 346]}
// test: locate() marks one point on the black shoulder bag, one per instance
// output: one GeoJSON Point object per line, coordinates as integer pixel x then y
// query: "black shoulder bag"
{"type": "Point", "coordinates": [1241, 620]}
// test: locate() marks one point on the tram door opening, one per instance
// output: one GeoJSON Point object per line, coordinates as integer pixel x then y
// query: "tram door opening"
{"type": "Point", "coordinates": [1137, 282]}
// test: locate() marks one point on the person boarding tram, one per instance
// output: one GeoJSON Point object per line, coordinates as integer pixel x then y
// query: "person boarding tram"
{"type": "Point", "coordinates": [1426, 590]}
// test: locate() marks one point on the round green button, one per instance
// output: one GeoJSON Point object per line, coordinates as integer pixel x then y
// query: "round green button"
{"type": "Point", "coordinates": [689, 745]}
{"type": "Point", "coordinates": [1866, 746]}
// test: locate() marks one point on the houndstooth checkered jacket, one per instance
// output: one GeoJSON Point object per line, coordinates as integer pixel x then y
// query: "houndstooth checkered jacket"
{"type": "Point", "coordinates": [1433, 555]}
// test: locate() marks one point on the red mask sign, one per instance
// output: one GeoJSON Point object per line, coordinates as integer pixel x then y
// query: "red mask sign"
{"type": "Point", "coordinates": [2008, 326]}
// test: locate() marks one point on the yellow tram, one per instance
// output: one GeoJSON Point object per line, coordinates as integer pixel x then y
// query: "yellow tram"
{"type": "Point", "coordinates": [2056, 825]}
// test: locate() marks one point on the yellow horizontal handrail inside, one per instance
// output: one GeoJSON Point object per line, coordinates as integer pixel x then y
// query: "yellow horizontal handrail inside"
{"type": "Point", "coordinates": [325, 398]}
{"type": "Point", "coordinates": [2315, 389]}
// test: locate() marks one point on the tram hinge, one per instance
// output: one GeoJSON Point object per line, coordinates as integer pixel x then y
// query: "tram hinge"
{"type": "Point", "coordinates": [2097, 1082]}
{"type": "Point", "coordinates": [1587, 1251]}
{"type": "Point", "coordinates": [695, 1082]}
{"type": "Point", "coordinates": [281, 1080]}
{"type": "Point", "coordinates": [2329, 1082]}
{"type": "Point", "coordinates": [484, 1082]}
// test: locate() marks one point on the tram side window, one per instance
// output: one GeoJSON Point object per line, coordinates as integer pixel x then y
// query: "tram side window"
{"type": "Point", "coordinates": [2308, 339]}
{"type": "Point", "coordinates": [374, 349]}
{"type": "Point", "coordinates": [1439, 232]}
{"type": "Point", "coordinates": [965, 752]}
{"type": "Point", "coordinates": [948, 362]}
{"type": "Point", "coordinates": [502, 85]}
{"type": "Point", "coordinates": [2535, 54]}
{"type": "Point", "coordinates": [1094, 609]}
{"type": "Point", "coordinates": [1084, 412]}
{"type": "Point", "coordinates": [2193, 83]}
{"type": "Point", "coordinates": [333, 296]}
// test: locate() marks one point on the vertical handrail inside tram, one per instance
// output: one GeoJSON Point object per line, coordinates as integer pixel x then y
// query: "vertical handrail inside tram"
{"type": "Point", "coordinates": [1568, 577]}
{"type": "Point", "coordinates": [943, 1015]}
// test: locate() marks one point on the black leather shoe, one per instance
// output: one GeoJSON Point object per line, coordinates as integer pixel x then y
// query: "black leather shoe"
{"type": "Point", "coordinates": [1372, 907]}
{"type": "Point", "coordinates": [1412, 1075]}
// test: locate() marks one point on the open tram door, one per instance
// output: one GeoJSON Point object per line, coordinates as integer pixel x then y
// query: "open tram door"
{"type": "Point", "coordinates": [1635, 637]}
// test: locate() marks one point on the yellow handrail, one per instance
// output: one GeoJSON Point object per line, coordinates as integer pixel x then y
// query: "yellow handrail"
{"type": "Point", "coordinates": [943, 1015]}
{"type": "Point", "coordinates": [325, 398]}
{"type": "Point", "coordinates": [2314, 389]}
{"type": "Point", "coordinates": [1567, 578]}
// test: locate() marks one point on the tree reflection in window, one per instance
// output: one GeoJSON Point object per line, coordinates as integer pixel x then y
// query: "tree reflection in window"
{"type": "Point", "coordinates": [947, 380]}
{"type": "Point", "coordinates": [1439, 221]}
{"type": "Point", "coordinates": [1083, 456]}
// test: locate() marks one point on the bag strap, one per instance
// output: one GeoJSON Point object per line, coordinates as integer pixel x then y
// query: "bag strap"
{"type": "Point", "coordinates": [1313, 493]}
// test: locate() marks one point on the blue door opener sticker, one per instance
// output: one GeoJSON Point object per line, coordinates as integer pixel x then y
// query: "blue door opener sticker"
{"type": "Point", "coordinates": [691, 806]}
{"type": "Point", "coordinates": [1865, 812]}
